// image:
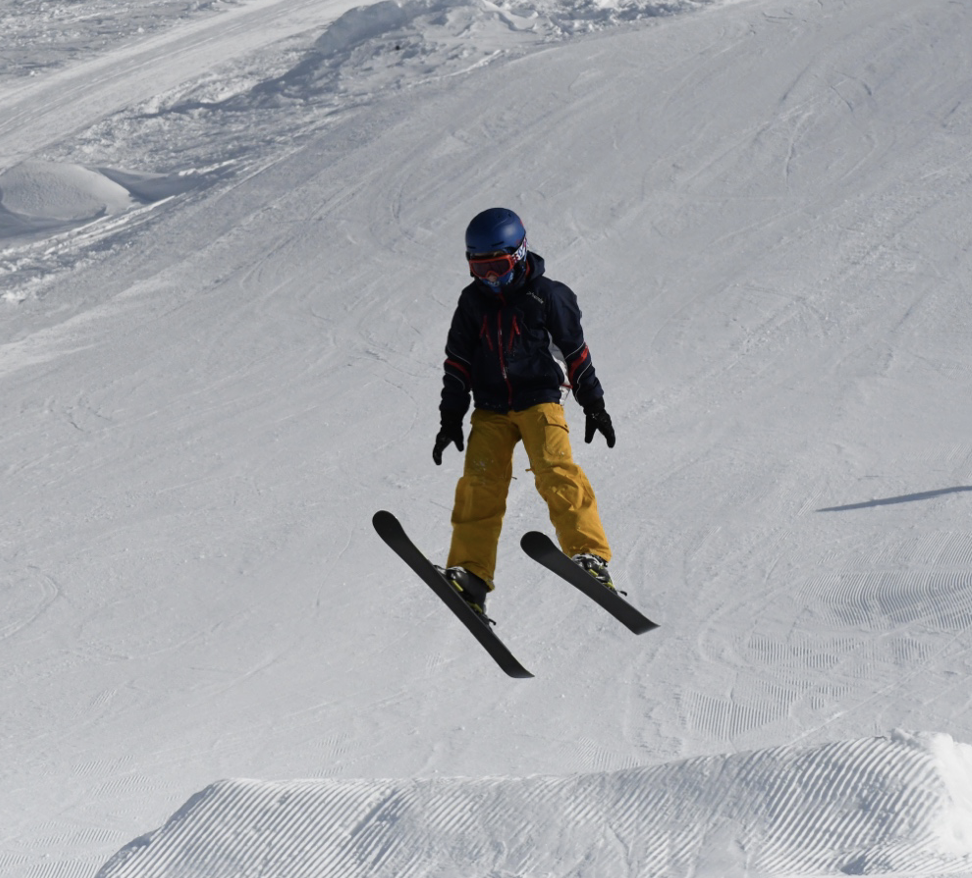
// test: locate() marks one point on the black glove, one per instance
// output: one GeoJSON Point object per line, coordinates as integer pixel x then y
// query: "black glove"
{"type": "Point", "coordinates": [450, 431]}
{"type": "Point", "coordinates": [598, 421]}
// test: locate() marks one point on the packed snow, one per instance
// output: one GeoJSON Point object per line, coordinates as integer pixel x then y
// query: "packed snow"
{"type": "Point", "coordinates": [849, 808]}
{"type": "Point", "coordinates": [230, 246]}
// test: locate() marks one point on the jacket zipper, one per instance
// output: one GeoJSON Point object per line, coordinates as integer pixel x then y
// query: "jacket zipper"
{"type": "Point", "coordinates": [485, 332]}
{"type": "Point", "coordinates": [499, 345]}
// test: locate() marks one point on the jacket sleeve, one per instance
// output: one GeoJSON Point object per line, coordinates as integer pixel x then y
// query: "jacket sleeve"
{"type": "Point", "coordinates": [457, 369]}
{"type": "Point", "coordinates": [564, 325]}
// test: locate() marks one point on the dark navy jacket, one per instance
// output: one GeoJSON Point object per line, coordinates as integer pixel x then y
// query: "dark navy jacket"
{"type": "Point", "coordinates": [517, 349]}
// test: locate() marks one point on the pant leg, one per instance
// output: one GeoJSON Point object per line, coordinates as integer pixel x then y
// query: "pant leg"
{"type": "Point", "coordinates": [477, 516]}
{"type": "Point", "coordinates": [561, 482]}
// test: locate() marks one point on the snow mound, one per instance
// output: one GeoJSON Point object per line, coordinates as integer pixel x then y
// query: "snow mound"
{"type": "Point", "coordinates": [60, 192]}
{"type": "Point", "coordinates": [40, 196]}
{"type": "Point", "coordinates": [876, 805]}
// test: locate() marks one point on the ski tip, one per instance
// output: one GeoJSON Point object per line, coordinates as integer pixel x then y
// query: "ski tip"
{"type": "Point", "coordinates": [383, 519]}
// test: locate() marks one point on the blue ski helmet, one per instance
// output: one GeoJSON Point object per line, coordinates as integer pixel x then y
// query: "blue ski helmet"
{"type": "Point", "coordinates": [496, 247]}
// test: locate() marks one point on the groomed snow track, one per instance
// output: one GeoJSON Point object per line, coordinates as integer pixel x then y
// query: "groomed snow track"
{"type": "Point", "coordinates": [871, 806]}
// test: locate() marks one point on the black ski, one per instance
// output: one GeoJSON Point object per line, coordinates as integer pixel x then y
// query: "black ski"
{"type": "Point", "coordinates": [391, 531]}
{"type": "Point", "coordinates": [543, 550]}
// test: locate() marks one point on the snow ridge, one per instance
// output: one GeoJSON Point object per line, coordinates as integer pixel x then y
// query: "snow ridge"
{"type": "Point", "coordinates": [855, 807]}
{"type": "Point", "coordinates": [246, 110]}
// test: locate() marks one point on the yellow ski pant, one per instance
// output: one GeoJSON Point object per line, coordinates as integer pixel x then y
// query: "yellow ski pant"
{"type": "Point", "coordinates": [480, 505]}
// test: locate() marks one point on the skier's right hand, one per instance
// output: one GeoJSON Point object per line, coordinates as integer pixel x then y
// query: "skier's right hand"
{"type": "Point", "coordinates": [450, 431]}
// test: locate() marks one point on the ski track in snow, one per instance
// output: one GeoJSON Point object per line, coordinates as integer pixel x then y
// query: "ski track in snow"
{"type": "Point", "coordinates": [230, 247]}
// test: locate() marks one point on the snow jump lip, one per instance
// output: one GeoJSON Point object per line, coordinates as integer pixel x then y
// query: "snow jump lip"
{"type": "Point", "coordinates": [883, 804]}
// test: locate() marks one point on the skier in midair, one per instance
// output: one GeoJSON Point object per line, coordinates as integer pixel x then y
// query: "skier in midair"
{"type": "Point", "coordinates": [517, 347]}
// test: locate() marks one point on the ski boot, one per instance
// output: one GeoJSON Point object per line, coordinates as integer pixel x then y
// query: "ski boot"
{"type": "Point", "coordinates": [597, 567]}
{"type": "Point", "coordinates": [471, 588]}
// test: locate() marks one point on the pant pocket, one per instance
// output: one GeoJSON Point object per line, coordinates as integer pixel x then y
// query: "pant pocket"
{"type": "Point", "coordinates": [547, 437]}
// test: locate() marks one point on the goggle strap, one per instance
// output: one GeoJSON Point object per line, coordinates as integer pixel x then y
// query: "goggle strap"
{"type": "Point", "coordinates": [498, 265]}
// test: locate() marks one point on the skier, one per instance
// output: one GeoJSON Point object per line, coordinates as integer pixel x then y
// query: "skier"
{"type": "Point", "coordinates": [517, 346]}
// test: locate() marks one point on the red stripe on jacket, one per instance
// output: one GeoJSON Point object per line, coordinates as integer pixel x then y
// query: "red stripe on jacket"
{"type": "Point", "coordinates": [460, 368]}
{"type": "Point", "coordinates": [584, 356]}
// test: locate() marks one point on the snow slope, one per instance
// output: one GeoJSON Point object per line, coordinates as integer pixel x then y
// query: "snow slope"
{"type": "Point", "coordinates": [208, 388]}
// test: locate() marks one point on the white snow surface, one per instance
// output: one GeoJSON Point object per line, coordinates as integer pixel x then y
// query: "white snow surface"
{"type": "Point", "coordinates": [230, 246]}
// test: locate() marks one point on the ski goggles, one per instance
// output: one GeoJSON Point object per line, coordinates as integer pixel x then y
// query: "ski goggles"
{"type": "Point", "coordinates": [492, 266]}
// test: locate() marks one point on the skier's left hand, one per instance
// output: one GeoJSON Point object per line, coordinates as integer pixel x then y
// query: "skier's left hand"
{"type": "Point", "coordinates": [598, 421]}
